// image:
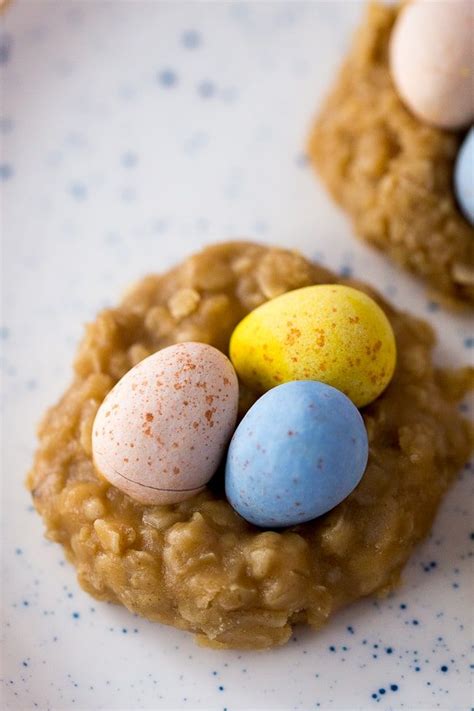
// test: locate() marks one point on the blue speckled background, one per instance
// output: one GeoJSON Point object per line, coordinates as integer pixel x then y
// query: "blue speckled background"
{"type": "Point", "coordinates": [133, 133]}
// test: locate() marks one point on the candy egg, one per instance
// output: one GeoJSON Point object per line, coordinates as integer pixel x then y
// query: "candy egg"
{"type": "Point", "coordinates": [432, 61]}
{"type": "Point", "coordinates": [298, 452]}
{"type": "Point", "coordinates": [332, 333]}
{"type": "Point", "coordinates": [464, 177]}
{"type": "Point", "coordinates": [161, 432]}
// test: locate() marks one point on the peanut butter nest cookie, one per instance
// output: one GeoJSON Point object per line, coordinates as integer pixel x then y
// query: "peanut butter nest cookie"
{"type": "Point", "coordinates": [197, 565]}
{"type": "Point", "coordinates": [392, 173]}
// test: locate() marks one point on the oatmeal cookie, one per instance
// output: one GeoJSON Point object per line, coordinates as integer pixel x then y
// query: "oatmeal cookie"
{"type": "Point", "coordinates": [197, 565]}
{"type": "Point", "coordinates": [392, 173]}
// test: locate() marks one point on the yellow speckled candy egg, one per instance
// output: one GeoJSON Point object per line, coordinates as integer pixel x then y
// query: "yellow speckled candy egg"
{"type": "Point", "coordinates": [331, 333]}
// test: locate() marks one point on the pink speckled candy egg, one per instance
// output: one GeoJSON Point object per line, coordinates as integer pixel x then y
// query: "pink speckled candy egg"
{"type": "Point", "coordinates": [432, 60]}
{"type": "Point", "coordinates": [161, 432]}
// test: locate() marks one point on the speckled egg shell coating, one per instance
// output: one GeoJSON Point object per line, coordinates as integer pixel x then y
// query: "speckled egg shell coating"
{"type": "Point", "coordinates": [162, 430]}
{"type": "Point", "coordinates": [332, 333]}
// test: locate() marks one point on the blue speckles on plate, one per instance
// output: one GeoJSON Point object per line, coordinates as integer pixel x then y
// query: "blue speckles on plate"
{"type": "Point", "coordinates": [132, 134]}
{"type": "Point", "coordinates": [206, 89]}
{"type": "Point", "coordinates": [167, 78]}
{"type": "Point", "coordinates": [78, 191]}
{"type": "Point", "coordinates": [191, 39]}
{"type": "Point", "coordinates": [6, 42]}
{"type": "Point", "coordinates": [6, 171]}
{"type": "Point", "coordinates": [6, 125]}
{"type": "Point", "coordinates": [129, 159]}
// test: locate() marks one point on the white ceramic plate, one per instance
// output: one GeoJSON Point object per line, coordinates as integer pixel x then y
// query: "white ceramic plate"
{"type": "Point", "coordinates": [132, 134]}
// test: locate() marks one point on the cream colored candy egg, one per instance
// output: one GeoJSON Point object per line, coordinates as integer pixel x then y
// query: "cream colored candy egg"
{"type": "Point", "coordinates": [432, 61]}
{"type": "Point", "coordinates": [330, 332]}
{"type": "Point", "coordinates": [161, 432]}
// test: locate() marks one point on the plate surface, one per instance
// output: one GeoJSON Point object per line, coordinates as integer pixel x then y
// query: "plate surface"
{"type": "Point", "coordinates": [133, 133]}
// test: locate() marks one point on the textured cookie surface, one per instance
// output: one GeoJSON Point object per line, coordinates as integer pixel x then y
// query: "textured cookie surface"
{"type": "Point", "coordinates": [197, 565]}
{"type": "Point", "coordinates": [392, 173]}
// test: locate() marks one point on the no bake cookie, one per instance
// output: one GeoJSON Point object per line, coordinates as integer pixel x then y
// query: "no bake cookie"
{"type": "Point", "coordinates": [391, 172]}
{"type": "Point", "coordinates": [197, 564]}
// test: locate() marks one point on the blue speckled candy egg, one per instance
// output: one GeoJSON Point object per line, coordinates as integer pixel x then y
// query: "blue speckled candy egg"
{"type": "Point", "coordinates": [298, 452]}
{"type": "Point", "coordinates": [464, 177]}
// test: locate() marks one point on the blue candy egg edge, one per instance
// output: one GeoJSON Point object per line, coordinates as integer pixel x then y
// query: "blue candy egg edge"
{"type": "Point", "coordinates": [464, 177]}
